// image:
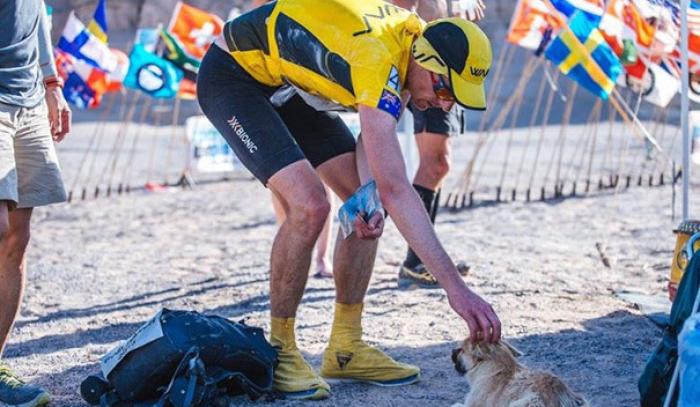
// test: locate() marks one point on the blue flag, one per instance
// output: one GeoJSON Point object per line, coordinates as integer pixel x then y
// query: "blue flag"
{"type": "Point", "coordinates": [98, 25]}
{"type": "Point", "coordinates": [581, 53]}
{"type": "Point", "coordinates": [78, 92]}
{"type": "Point", "coordinates": [593, 8]}
{"type": "Point", "coordinates": [152, 74]}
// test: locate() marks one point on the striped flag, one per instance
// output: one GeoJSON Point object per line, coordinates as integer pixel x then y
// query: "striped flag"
{"type": "Point", "coordinates": [531, 19]}
{"type": "Point", "coordinates": [581, 53]}
{"type": "Point", "coordinates": [84, 84]}
{"type": "Point", "coordinates": [98, 25]}
{"type": "Point", "coordinates": [79, 42]}
{"type": "Point", "coordinates": [623, 25]}
{"type": "Point", "coordinates": [195, 29]}
{"type": "Point", "coordinates": [694, 17]}
{"type": "Point", "coordinates": [592, 8]}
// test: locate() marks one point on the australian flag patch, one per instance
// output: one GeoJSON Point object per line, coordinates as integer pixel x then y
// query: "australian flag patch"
{"type": "Point", "coordinates": [390, 103]}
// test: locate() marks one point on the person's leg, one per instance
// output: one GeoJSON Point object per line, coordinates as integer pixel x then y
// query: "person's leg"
{"type": "Point", "coordinates": [14, 238]}
{"type": "Point", "coordinates": [13, 246]}
{"type": "Point", "coordinates": [329, 146]}
{"type": "Point", "coordinates": [347, 357]}
{"type": "Point", "coordinates": [432, 129]}
{"type": "Point", "coordinates": [7, 287]}
{"type": "Point", "coordinates": [300, 191]}
{"type": "Point", "coordinates": [434, 154]}
{"type": "Point", "coordinates": [280, 214]}
{"type": "Point", "coordinates": [323, 258]}
{"type": "Point", "coordinates": [240, 109]}
{"type": "Point", "coordinates": [36, 181]}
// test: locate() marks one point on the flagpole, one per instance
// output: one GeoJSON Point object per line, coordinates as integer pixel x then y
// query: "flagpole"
{"type": "Point", "coordinates": [684, 107]}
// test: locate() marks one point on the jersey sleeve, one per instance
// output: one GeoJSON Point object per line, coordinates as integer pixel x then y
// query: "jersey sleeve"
{"type": "Point", "coordinates": [379, 88]}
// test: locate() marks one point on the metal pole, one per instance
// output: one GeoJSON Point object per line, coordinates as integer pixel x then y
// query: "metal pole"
{"type": "Point", "coordinates": [684, 106]}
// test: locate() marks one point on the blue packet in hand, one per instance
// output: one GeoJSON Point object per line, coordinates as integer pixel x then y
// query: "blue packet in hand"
{"type": "Point", "coordinates": [365, 200]}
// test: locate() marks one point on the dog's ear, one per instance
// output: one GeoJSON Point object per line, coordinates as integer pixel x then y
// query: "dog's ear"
{"type": "Point", "coordinates": [480, 351]}
{"type": "Point", "coordinates": [512, 349]}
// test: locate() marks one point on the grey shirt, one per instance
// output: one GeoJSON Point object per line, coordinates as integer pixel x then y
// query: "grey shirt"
{"type": "Point", "coordinates": [25, 52]}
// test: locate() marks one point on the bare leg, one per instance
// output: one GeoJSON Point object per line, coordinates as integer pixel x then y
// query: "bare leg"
{"type": "Point", "coordinates": [353, 259]}
{"type": "Point", "coordinates": [347, 357]}
{"type": "Point", "coordinates": [323, 261]}
{"type": "Point", "coordinates": [13, 245]}
{"type": "Point", "coordinates": [434, 153]}
{"type": "Point", "coordinates": [300, 191]}
{"type": "Point", "coordinates": [277, 206]}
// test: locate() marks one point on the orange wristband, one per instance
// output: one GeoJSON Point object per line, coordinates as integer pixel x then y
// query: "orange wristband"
{"type": "Point", "coordinates": [53, 82]}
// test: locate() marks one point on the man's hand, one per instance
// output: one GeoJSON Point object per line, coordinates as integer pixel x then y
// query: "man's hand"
{"type": "Point", "coordinates": [371, 229]}
{"type": "Point", "coordinates": [59, 113]}
{"type": "Point", "coordinates": [481, 318]}
{"type": "Point", "coordinates": [473, 9]}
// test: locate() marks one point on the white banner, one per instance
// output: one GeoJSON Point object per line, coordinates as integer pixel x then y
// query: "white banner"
{"type": "Point", "coordinates": [695, 136]}
{"type": "Point", "coordinates": [209, 151]}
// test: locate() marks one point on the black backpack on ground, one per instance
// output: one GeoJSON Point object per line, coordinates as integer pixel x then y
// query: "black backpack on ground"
{"type": "Point", "coordinates": [184, 359]}
{"type": "Point", "coordinates": [658, 372]}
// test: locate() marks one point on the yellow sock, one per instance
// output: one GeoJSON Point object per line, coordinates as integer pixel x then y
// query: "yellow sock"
{"type": "Point", "coordinates": [349, 358]}
{"type": "Point", "coordinates": [347, 324]}
{"type": "Point", "coordinates": [282, 333]}
{"type": "Point", "coordinates": [294, 376]}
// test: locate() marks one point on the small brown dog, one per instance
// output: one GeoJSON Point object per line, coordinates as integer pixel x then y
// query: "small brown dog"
{"type": "Point", "coordinates": [496, 379]}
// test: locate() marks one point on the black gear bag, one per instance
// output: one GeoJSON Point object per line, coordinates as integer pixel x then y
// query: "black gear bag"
{"type": "Point", "coordinates": [184, 359]}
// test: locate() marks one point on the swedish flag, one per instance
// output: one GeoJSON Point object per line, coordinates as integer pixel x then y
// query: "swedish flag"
{"type": "Point", "coordinates": [582, 54]}
{"type": "Point", "coordinates": [98, 25]}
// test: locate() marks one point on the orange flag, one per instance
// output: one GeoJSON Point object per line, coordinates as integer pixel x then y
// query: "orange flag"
{"type": "Point", "coordinates": [530, 20]}
{"type": "Point", "coordinates": [195, 29]}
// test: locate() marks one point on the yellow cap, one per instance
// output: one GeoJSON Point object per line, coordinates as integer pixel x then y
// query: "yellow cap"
{"type": "Point", "coordinates": [458, 49]}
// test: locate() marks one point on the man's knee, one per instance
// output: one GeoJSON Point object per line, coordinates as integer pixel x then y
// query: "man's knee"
{"type": "Point", "coordinates": [309, 214]}
{"type": "Point", "coordinates": [435, 166]}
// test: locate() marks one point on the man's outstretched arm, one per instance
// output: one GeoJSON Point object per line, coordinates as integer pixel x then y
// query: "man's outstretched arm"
{"type": "Point", "coordinates": [383, 156]}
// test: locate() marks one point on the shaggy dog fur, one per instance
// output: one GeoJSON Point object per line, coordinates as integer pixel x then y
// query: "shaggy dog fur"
{"type": "Point", "coordinates": [496, 379]}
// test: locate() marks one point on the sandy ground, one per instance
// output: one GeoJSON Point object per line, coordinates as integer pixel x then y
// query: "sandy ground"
{"type": "Point", "coordinates": [100, 268]}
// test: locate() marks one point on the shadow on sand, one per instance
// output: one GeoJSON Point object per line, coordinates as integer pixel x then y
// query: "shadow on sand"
{"type": "Point", "coordinates": [608, 352]}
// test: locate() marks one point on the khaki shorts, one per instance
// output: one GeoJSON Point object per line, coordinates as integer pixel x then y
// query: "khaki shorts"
{"type": "Point", "coordinates": [29, 172]}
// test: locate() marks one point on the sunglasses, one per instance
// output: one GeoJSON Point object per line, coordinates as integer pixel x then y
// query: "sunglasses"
{"type": "Point", "coordinates": [441, 89]}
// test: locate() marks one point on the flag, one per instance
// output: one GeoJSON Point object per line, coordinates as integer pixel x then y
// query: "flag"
{"type": "Point", "coordinates": [627, 33]}
{"type": "Point", "coordinates": [148, 37]}
{"type": "Point", "coordinates": [98, 25]}
{"type": "Point", "coordinates": [175, 53]}
{"type": "Point", "coordinates": [581, 53]}
{"type": "Point", "coordinates": [84, 84]}
{"type": "Point", "coordinates": [152, 74]}
{"type": "Point", "coordinates": [194, 28]}
{"type": "Point", "coordinates": [694, 17]}
{"type": "Point", "coordinates": [116, 77]}
{"type": "Point", "coordinates": [188, 90]}
{"type": "Point", "coordinates": [531, 19]}
{"type": "Point", "coordinates": [77, 41]}
{"type": "Point", "coordinates": [662, 86]}
{"type": "Point", "coordinates": [592, 8]}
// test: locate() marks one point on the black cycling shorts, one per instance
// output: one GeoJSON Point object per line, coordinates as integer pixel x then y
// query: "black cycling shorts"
{"type": "Point", "coordinates": [264, 137]}
{"type": "Point", "coordinates": [435, 120]}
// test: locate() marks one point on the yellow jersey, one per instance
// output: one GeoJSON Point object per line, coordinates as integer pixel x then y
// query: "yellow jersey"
{"type": "Point", "coordinates": [347, 52]}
